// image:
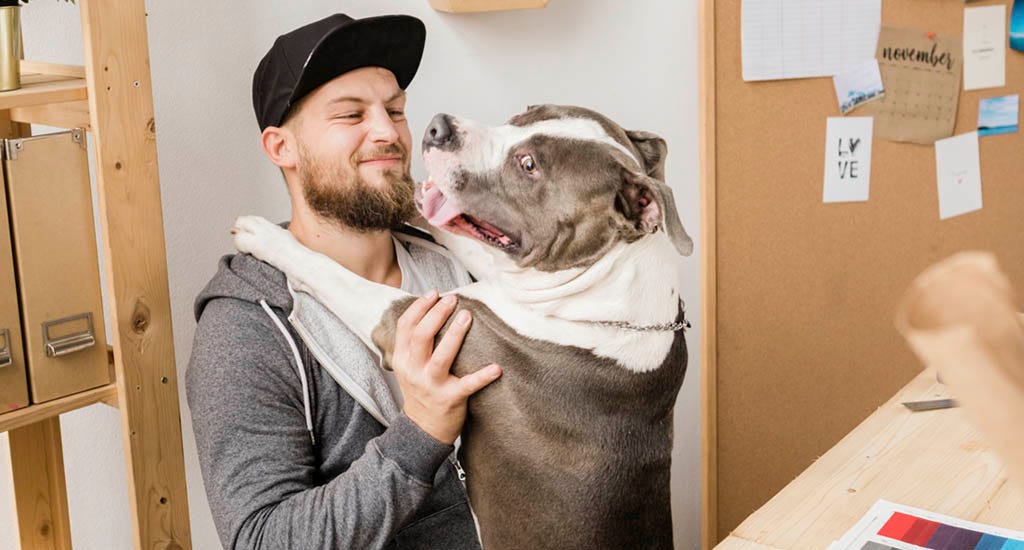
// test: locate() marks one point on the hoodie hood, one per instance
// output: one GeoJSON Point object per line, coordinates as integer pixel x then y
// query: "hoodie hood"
{"type": "Point", "coordinates": [244, 277]}
{"type": "Point", "coordinates": [335, 348]}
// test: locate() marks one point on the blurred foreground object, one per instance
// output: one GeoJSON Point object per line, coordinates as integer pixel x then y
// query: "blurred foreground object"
{"type": "Point", "coordinates": [960, 316]}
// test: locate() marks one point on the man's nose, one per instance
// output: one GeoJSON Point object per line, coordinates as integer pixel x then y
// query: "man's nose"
{"type": "Point", "coordinates": [383, 129]}
{"type": "Point", "coordinates": [439, 132]}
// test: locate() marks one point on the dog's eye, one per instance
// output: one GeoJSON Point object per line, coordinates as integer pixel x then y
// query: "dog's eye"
{"type": "Point", "coordinates": [527, 163]}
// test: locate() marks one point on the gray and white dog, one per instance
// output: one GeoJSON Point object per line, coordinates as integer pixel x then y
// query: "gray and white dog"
{"type": "Point", "coordinates": [566, 222]}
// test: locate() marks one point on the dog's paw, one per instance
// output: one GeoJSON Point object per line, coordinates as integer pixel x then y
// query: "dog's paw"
{"type": "Point", "coordinates": [258, 236]}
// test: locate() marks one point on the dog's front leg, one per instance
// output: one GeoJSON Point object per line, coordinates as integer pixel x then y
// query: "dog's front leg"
{"type": "Point", "coordinates": [359, 303]}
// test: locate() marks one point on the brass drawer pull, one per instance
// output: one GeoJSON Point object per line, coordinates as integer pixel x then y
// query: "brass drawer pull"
{"type": "Point", "coordinates": [70, 343]}
{"type": "Point", "coordinates": [5, 352]}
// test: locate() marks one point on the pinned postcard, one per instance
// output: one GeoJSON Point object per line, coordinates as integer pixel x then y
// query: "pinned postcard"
{"type": "Point", "coordinates": [847, 159]}
{"type": "Point", "coordinates": [959, 175]}
{"type": "Point", "coordinates": [998, 115]}
{"type": "Point", "coordinates": [858, 86]}
{"type": "Point", "coordinates": [921, 72]}
{"type": "Point", "coordinates": [807, 38]}
{"type": "Point", "coordinates": [1017, 26]}
{"type": "Point", "coordinates": [984, 47]}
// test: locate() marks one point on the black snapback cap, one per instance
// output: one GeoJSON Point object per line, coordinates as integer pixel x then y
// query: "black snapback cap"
{"type": "Point", "coordinates": [304, 59]}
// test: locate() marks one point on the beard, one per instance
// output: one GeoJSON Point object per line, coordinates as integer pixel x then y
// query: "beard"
{"type": "Point", "coordinates": [350, 201]}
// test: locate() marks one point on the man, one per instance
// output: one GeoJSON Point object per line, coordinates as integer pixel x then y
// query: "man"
{"type": "Point", "coordinates": [304, 441]}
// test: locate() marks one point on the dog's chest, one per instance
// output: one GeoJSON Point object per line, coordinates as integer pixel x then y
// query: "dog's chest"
{"type": "Point", "coordinates": [579, 433]}
{"type": "Point", "coordinates": [568, 394]}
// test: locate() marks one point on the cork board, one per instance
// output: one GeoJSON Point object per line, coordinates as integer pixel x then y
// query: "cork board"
{"type": "Point", "coordinates": [799, 296]}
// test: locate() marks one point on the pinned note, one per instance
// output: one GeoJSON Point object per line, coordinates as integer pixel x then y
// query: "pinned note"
{"type": "Point", "coordinates": [984, 47]}
{"type": "Point", "coordinates": [858, 86]}
{"type": "Point", "coordinates": [847, 159]}
{"type": "Point", "coordinates": [998, 115]}
{"type": "Point", "coordinates": [921, 72]}
{"type": "Point", "coordinates": [958, 170]}
{"type": "Point", "coordinates": [807, 38]}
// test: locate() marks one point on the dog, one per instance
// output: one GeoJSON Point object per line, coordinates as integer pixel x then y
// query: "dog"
{"type": "Point", "coordinates": [566, 223]}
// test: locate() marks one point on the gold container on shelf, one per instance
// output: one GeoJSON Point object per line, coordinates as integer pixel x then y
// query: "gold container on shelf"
{"type": "Point", "coordinates": [10, 48]}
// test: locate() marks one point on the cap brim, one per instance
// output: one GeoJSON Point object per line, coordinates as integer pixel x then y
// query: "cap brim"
{"type": "Point", "coordinates": [394, 42]}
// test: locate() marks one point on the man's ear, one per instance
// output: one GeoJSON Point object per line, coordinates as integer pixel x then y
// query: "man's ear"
{"type": "Point", "coordinates": [648, 204]}
{"type": "Point", "coordinates": [652, 152]}
{"type": "Point", "coordinates": [280, 146]}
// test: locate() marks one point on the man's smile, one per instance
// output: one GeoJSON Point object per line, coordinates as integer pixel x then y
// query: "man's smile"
{"type": "Point", "coordinates": [387, 160]}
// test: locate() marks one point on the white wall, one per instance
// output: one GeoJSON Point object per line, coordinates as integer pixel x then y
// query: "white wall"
{"type": "Point", "coordinates": [635, 62]}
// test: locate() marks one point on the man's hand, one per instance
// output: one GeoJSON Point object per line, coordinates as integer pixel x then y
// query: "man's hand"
{"type": "Point", "coordinates": [435, 399]}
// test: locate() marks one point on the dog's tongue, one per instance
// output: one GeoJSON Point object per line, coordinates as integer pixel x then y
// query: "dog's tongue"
{"type": "Point", "coordinates": [437, 209]}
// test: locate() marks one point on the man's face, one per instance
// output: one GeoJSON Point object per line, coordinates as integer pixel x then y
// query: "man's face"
{"type": "Point", "coordinates": [353, 145]}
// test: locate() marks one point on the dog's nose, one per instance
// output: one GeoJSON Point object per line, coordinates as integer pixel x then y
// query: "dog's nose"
{"type": "Point", "coordinates": [439, 131]}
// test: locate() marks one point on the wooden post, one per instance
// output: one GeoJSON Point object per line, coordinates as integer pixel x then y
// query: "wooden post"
{"type": "Point", "coordinates": [124, 135]}
{"type": "Point", "coordinates": [708, 296]}
{"type": "Point", "coordinates": [40, 491]}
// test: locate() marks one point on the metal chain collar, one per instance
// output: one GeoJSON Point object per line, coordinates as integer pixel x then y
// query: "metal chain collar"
{"type": "Point", "coordinates": [662, 327]}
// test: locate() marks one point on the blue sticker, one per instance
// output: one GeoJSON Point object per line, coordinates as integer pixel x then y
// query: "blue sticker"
{"type": "Point", "coordinates": [1017, 26]}
{"type": "Point", "coordinates": [998, 115]}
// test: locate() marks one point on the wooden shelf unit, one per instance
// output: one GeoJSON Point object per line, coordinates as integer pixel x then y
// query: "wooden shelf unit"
{"type": "Point", "coordinates": [42, 411]}
{"type": "Point", "coordinates": [111, 97]}
{"type": "Point", "coordinates": [45, 83]}
{"type": "Point", "coordinates": [51, 94]}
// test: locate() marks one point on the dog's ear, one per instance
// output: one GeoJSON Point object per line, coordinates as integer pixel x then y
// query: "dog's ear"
{"type": "Point", "coordinates": [531, 107]}
{"type": "Point", "coordinates": [652, 152]}
{"type": "Point", "coordinates": [648, 204]}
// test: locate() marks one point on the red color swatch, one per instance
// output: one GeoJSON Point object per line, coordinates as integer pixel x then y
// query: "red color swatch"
{"type": "Point", "coordinates": [897, 526]}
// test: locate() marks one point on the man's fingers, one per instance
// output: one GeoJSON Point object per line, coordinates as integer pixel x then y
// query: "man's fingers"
{"type": "Point", "coordinates": [426, 330]}
{"type": "Point", "coordinates": [435, 318]}
{"type": "Point", "coordinates": [410, 318]}
{"type": "Point", "coordinates": [446, 350]}
{"type": "Point", "coordinates": [472, 383]}
{"type": "Point", "coordinates": [416, 310]}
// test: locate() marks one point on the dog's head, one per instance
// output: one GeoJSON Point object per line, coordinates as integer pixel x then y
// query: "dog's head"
{"type": "Point", "coordinates": [554, 188]}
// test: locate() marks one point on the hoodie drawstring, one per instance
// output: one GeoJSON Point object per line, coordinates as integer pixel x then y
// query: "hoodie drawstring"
{"type": "Point", "coordinates": [298, 363]}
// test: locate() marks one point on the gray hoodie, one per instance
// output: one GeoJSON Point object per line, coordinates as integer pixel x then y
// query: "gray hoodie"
{"type": "Point", "coordinates": [299, 439]}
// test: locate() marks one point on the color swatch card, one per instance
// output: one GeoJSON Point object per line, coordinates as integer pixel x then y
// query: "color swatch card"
{"type": "Point", "coordinates": [998, 115]}
{"type": "Point", "coordinates": [889, 526]}
{"type": "Point", "coordinates": [807, 38]}
{"type": "Point", "coordinates": [958, 170]}
{"type": "Point", "coordinates": [984, 47]}
{"type": "Point", "coordinates": [847, 159]}
{"type": "Point", "coordinates": [921, 73]}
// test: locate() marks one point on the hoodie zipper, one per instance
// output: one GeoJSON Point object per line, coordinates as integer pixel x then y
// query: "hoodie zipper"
{"type": "Point", "coordinates": [338, 374]}
{"type": "Point", "coordinates": [465, 491]}
{"type": "Point", "coordinates": [458, 469]}
{"type": "Point", "coordinates": [363, 399]}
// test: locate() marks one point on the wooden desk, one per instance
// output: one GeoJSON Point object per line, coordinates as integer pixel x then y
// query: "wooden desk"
{"type": "Point", "coordinates": [932, 460]}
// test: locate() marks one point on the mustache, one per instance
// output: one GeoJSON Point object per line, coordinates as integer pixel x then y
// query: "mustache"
{"type": "Point", "coordinates": [391, 149]}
